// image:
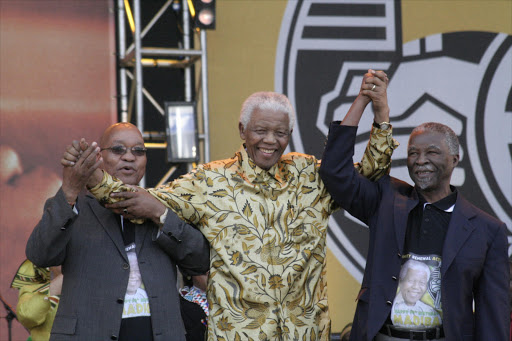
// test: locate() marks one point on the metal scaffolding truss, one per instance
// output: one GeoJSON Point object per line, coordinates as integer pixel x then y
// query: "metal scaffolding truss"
{"type": "Point", "coordinates": [133, 58]}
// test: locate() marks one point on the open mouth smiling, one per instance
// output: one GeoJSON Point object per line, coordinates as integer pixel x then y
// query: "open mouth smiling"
{"type": "Point", "coordinates": [267, 151]}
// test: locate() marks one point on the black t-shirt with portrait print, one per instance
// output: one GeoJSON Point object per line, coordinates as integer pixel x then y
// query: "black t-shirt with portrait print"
{"type": "Point", "coordinates": [417, 304]}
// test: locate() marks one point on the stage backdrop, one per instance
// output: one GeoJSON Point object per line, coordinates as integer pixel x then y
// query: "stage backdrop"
{"type": "Point", "coordinates": [448, 61]}
{"type": "Point", "coordinates": [57, 83]}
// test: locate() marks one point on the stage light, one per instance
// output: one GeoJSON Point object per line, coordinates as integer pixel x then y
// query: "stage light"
{"type": "Point", "coordinates": [181, 132]}
{"type": "Point", "coordinates": [205, 14]}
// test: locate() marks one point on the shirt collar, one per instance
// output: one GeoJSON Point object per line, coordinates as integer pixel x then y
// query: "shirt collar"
{"type": "Point", "coordinates": [254, 174]}
{"type": "Point", "coordinates": [446, 204]}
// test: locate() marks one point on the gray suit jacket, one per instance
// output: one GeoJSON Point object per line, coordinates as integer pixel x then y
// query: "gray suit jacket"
{"type": "Point", "coordinates": [90, 248]}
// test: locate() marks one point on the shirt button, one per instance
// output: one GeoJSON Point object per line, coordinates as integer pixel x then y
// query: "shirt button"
{"type": "Point", "coordinates": [126, 266]}
{"type": "Point", "coordinates": [427, 220]}
{"type": "Point", "coordinates": [389, 302]}
{"type": "Point", "coordinates": [399, 255]}
{"type": "Point", "coordinates": [120, 300]}
{"type": "Point", "coordinates": [113, 337]}
{"type": "Point", "coordinates": [394, 278]}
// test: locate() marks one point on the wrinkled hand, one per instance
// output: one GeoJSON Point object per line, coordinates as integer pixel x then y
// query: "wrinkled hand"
{"type": "Point", "coordinates": [139, 204]}
{"type": "Point", "coordinates": [75, 177]}
{"type": "Point", "coordinates": [73, 152]}
{"type": "Point", "coordinates": [374, 87]}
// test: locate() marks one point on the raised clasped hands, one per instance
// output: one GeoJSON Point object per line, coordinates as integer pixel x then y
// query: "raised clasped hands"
{"type": "Point", "coordinates": [374, 89]}
{"type": "Point", "coordinates": [80, 161]}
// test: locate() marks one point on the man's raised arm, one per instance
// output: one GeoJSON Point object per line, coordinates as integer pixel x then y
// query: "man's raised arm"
{"type": "Point", "coordinates": [376, 160]}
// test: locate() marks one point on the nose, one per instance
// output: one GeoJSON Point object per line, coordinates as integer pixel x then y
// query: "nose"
{"type": "Point", "coordinates": [421, 159]}
{"type": "Point", "coordinates": [128, 156]}
{"type": "Point", "coordinates": [269, 137]}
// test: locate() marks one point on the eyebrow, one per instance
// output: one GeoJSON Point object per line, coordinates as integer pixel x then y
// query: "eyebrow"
{"type": "Point", "coordinates": [123, 142]}
{"type": "Point", "coordinates": [432, 146]}
{"type": "Point", "coordinates": [279, 129]}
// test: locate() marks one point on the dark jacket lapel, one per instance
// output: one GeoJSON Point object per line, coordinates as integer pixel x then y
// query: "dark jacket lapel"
{"type": "Point", "coordinates": [458, 232]}
{"type": "Point", "coordinates": [402, 208]}
{"type": "Point", "coordinates": [142, 232]}
{"type": "Point", "coordinates": [108, 220]}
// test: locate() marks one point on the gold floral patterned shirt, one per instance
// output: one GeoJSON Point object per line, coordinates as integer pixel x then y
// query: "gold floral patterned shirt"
{"type": "Point", "coordinates": [267, 232]}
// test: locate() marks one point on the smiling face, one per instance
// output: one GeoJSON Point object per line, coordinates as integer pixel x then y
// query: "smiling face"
{"type": "Point", "coordinates": [413, 286]}
{"type": "Point", "coordinates": [266, 136]}
{"type": "Point", "coordinates": [430, 164]}
{"type": "Point", "coordinates": [128, 167]}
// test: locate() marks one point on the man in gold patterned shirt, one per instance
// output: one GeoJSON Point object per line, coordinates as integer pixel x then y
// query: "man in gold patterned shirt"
{"type": "Point", "coordinates": [265, 216]}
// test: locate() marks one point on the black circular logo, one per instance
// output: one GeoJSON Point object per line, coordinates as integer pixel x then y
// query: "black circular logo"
{"type": "Point", "coordinates": [461, 79]}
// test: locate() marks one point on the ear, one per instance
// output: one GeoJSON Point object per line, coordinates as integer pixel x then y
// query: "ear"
{"type": "Point", "coordinates": [456, 159]}
{"type": "Point", "coordinates": [241, 130]}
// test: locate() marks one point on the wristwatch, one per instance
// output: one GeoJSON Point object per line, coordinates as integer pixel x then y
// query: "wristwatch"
{"type": "Point", "coordinates": [163, 216]}
{"type": "Point", "coordinates": [382, 125]}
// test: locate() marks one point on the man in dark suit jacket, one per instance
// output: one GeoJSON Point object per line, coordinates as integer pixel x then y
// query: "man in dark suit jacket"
{"type": "Point", "coordinates": [119, 280]}
{"type": "Point", "coordinates": [464, 248]}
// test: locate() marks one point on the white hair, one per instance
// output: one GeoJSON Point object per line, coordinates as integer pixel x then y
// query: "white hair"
{"type": "Point", "coordinates": [414, 265]}
{"type": "Point", "coordinates": [271, 101]}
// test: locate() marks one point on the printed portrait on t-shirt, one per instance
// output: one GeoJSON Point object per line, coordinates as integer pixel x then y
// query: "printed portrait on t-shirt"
{"type": "Point", "coordinates": [418, 300]}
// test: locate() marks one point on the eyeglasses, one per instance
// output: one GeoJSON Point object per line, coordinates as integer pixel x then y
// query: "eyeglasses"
{"type": "Point", "coordinates": [121, 150]}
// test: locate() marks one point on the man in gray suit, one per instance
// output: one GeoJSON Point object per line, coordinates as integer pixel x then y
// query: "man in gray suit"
{"type": "Point", "coordinates": [119, 280]}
